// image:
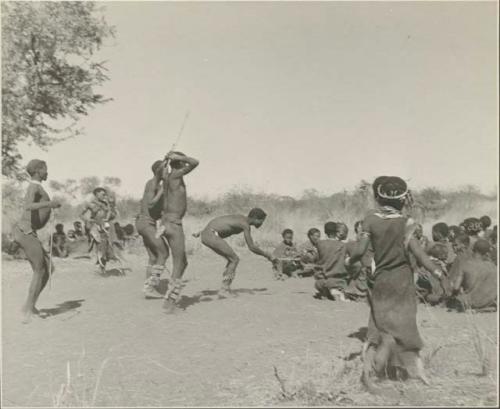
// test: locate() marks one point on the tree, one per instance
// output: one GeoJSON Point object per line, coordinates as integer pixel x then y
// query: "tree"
{"type": "Point", "coordinates": [49, 73]}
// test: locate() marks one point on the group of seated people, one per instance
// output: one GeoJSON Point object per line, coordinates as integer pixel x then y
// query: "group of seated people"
{"type": "Point", "coordinates": [466, 255]}
{"type": "Point", "coordinates": [65, 243]}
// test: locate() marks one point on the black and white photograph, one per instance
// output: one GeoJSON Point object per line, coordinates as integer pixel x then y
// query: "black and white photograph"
{"type": "Point", "coordinates": [249, 204]}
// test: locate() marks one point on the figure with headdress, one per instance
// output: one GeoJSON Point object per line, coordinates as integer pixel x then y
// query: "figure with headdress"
{"type": "Point", "coordinates": [393, 340]}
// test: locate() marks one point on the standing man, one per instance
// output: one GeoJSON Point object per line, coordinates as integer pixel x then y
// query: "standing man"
{"type": "Point", "coordinates": [174, 209]}
{"type": "Point", "coordinates": [150, 212]}
{"type": "Point", "coordinates": [224, 226]}
{"type": "Point", "coordinates": [36, 214]}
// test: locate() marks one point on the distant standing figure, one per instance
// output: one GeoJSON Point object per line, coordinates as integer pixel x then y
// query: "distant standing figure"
{"type": "Point", "coordinates": [36, 214]}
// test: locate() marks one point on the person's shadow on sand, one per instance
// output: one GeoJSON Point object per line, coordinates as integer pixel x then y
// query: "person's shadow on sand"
{"type": "Point", "coordinates": [211, 295]}
{"type": "Point", "coordinates": [360, 334]}
{"type": "Point", "coordinates": [60, 308]}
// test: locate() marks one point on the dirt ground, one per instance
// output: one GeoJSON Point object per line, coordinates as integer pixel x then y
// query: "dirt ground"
{"type": "Point", "coordinates": [104, 345]}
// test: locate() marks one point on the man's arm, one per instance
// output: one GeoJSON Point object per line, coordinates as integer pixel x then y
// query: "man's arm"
{"type": "Point", "coordinates": [188, 162]}
{"type": "Point", "coordinates": [422, 258]}
{"type": "Point", "coordinates": [30, 204]}
{"type": "Point", "coordinates": [252, 247]}
{"type": "Point", "coordinates": [153, 193]}
{"type": "Point", "coordinates": [358, 251]}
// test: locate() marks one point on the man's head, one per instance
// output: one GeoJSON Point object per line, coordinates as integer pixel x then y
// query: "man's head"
{"type": "Point", "coordinates": [330, 229]}
{"type": "Point", "coordinates": [439, 251]}
{"type": "Point", "coordinates": [77, 226]}
{"type": "Point", "coordinates": [100, 193]}
{"type": "Point", "coordinates": [390, 191]}
{"type": "Point", "coordinates": [256, 217]}
{"type": "Point", "coordinates": [37, 169]}
{"type": "Point", "coordinates": [287, 235]}
{"type": "Point", "coordinates": [472, 226]}
{"type": "Point", "coordinates": [485, 222]}
{"type": "Point", "coordinates": [461, 243]}
{"type": "Point", "coordinates": [59, 228]}
{"type": "Point", "coordinates": [177, 164]}
{"type": "Point", "coordinates": [419, 231]}
{"type": "Point", "coordinates": [454, 231]}
{"type": "Point", "coordinates": [342, 231]}
{"type": "Point", "coordinates": [358, 227]}
{"type": "Point", "coordinates": [481, 247]}
{"type": "Point", "coordinates": [440, 231]}
{"type": "Point", "coordinates": [157, 166]}
{"type": "Point", "coordinates": [314, 235]}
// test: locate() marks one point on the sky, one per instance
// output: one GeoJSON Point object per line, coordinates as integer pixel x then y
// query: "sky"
{"type": "Point", "coordinates": [285, 97]}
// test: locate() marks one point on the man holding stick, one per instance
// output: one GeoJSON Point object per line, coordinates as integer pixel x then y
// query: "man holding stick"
{"type": "Point", "coordinates": [174, 209]}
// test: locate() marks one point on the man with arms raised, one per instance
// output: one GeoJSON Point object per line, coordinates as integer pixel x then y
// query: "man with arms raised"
{"type": "Point", "coordinates": [174, 209]}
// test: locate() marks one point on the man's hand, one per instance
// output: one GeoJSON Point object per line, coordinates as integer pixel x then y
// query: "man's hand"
{"type": "Point", "coordinates": [174, 156]}
{"type": "Point", "coordinates": [55, 204]}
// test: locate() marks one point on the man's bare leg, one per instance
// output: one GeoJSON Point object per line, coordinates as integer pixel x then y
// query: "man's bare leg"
{"type": "Point", "coordinates": [223, 249]}
{"type": "Point", "coordinates": [36, 256]}
{"type": "Point", "coordinates": [157, 257]}
{"type": "Point", "coordinates": [177, 242]}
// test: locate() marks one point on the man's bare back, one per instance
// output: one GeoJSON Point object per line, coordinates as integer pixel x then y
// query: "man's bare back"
{"type": "Point", "coordinates": [175, 203]}
{"type": "Point", "coordinates": [226, 226]}
{"type": "Point", "coordinates": [148, 208]}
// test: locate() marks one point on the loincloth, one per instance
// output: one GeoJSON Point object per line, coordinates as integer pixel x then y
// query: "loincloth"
{"type": "Point", "coordinates": [172, 218]}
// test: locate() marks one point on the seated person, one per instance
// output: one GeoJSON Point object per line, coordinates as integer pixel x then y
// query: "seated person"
{"type": "Point", "coordinates": [475, 285]}
{"type": "Point", "coordinates": [432, 288]}
{"type": "Point", "coordinates": [485, 227]}
{"type": "Point", "coordinates": [308, 250]}
{"type": "Point", "coordinates": [71, 236]}
{"type": "Point", "coordinates": [360, 270]}
{"type": "Point", "coordinates": [331, 274]}
{"type": "Point", "coordinates": [419, 235]}
{"type": "Point", "coordinates": [454, 231]}
{"type": "Point", "coordinates": [472, 227]}
{"type": "Point", "coordinates": [78, 230]}
{"type": "Point", "coordinates": [59, 247]}
{"type": "Point", "coordinates": [287, 255]}
{"type": "Point", "coordinates": [493, 241]}
{"type": "Point", "coordinates": [440, 233]}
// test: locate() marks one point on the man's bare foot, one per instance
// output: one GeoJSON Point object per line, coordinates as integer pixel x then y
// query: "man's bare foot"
{"type": "Point", "coordinates": [151, 292]}
{"type": "Point", "coordinates": [28, 315]}
{"type": "Point", "coordinates": [226, 293]}
{"type": "Point", "coordinates": [170, 307]}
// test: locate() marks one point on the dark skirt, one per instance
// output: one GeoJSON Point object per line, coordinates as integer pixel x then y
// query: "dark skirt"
{"type": "Point", "coordinates": [393, 308]}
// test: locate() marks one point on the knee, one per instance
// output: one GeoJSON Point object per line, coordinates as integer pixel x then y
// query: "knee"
{"type": "Point", "coordinates": [234, 259]}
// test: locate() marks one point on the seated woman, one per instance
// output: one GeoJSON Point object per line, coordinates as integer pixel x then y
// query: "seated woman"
{"type": "Point", "coordinates": [309, 253]}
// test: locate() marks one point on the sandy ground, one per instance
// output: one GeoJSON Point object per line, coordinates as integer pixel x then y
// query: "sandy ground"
{"type": "Point", "coordinates": [115, 348]}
